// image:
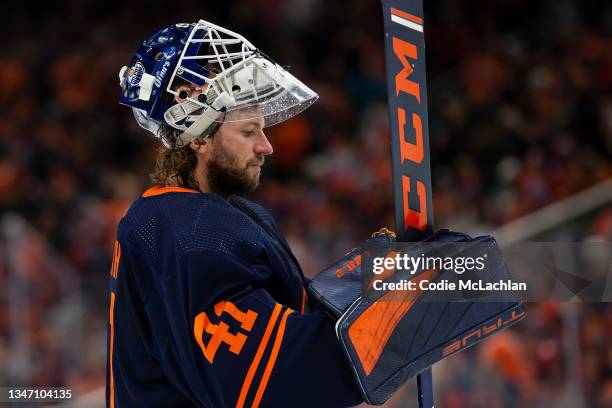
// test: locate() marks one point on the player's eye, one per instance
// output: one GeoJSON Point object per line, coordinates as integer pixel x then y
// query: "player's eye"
{"type": "Point", "coordinates": [248, 133]}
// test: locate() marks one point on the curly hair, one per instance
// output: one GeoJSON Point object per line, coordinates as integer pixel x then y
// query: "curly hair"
{"type": "Point", "coordinates": [175, 167]}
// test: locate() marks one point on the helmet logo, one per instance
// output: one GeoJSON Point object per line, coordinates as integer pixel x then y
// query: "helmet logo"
{"type": "Point", "coordinates": [135, 74]}
{"type": "Point", "coordinates": [161, 74]}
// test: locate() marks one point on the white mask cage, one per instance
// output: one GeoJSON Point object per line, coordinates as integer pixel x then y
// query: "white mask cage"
{"type": "Point", "coordinates": [220, 77]}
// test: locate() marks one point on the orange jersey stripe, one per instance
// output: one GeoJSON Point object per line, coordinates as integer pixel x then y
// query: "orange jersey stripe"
{"type": "Point", "coordinates": [112, 341]}
{"type": "Point", "coordinates": [262, 347]}
{"type": "Point", "coordinates": [112, 270]}
{"type": "Point", "coordinates": [277, 343]}
{"type": "Point", "coordinates": [371, 331]}
{"type": "Point", "coordinates": [153, 191]}
{"type": "Point", "coordinates": [116, 257]}
{"type": "Point", "coordinates": [304, 300]}
{"type": "Point", "coordinates": [407, 16]}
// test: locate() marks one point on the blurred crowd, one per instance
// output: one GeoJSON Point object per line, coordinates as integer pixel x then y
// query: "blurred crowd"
{"type": "Point", "coordinates": [520, 114]}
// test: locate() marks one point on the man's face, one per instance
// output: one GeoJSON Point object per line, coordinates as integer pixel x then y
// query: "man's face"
{"type": "Point", "coordinates": [236, 155]}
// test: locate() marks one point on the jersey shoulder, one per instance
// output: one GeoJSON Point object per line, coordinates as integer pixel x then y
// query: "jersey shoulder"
{"type": "Point", "coordinates": [176, 219]}
{"type": "Point", "coordinates": [252, 209]}
{"type": "Point", "coordinates": [260, 215]}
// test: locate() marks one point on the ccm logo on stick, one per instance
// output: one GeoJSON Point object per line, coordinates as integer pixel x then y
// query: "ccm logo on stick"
{"type": "Point", "coordinates": [413, 153]}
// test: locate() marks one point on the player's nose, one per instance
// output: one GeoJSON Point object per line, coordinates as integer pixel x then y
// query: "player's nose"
{"type": "Point", "coordinates": [263, 146]}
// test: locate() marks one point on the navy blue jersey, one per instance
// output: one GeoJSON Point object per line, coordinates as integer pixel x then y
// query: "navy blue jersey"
{"type": "Point", "coordinates": [208, 309]}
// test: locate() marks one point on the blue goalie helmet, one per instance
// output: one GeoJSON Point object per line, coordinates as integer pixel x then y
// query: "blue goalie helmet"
{"type": "Point", "coordinates": [192, 77]}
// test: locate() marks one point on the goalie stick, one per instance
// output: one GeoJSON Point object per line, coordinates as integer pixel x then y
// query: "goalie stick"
{"type": "Point", "coordinates": [407, 99]}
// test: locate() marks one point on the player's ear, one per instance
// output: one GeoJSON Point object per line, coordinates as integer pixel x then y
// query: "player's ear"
{"type": "Point", "coordinates": [199, 145]}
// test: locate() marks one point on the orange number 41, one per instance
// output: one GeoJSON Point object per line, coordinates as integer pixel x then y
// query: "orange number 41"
{"type": "Point", "coordinates": [220, 332]}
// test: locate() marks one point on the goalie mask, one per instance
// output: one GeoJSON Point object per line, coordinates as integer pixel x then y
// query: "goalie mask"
{"type": "Point", "coordinates": [193, 77]}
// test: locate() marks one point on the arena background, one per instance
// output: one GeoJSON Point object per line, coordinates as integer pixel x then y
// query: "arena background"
{"type": "Point", "coordinates": [520, 114]}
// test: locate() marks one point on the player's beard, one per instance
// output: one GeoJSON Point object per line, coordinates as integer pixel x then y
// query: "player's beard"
{"type": "Point", "coordinates": [226, 177]}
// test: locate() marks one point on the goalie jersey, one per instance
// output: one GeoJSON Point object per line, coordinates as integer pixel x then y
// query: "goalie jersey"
{"type": "Point", "coordinates": [208, 309]}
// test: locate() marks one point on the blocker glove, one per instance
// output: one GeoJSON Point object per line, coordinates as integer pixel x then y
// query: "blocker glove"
{"type": "Point", "coordinates": [390, 335]}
